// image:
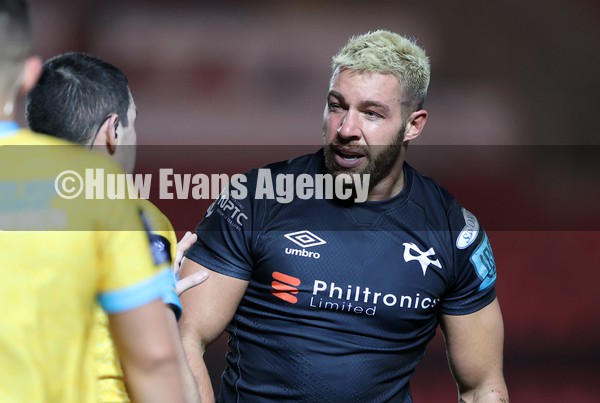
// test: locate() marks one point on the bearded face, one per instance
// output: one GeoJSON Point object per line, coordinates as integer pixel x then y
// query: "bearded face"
{"type": "Point", "coordinates": [363, 126]}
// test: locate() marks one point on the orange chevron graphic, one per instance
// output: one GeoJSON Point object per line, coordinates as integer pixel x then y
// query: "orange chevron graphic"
{"type": "Point", "coordinates": [284, 286]}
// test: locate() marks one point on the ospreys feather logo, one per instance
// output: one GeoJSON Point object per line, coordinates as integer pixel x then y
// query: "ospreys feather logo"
{"type": "Point", "coordinates": [422, 257]}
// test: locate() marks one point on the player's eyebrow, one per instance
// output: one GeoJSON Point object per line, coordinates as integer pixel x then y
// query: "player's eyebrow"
{"type": "Point", "coordinates": [374, 104]}
{"type": "Point", "coordinates": [363, 104]}
{"type": "Point", "coordinates": [336, 94]}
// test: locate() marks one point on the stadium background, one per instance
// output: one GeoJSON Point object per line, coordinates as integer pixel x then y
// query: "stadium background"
{"type": "Point", "coordinates": [513, 133]}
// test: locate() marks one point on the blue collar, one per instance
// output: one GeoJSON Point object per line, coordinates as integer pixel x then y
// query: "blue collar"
{"type": "Point", "coordinates": [8, 127]}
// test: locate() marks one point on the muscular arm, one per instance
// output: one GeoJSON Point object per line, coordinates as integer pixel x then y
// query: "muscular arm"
{"type": "Point", "coordinates": [207, 310]}
{"type": "Point", "coordinates": [474, 343]}
{"type": "Point", "coordinates": [148, 354]}
{"type": "Point", "coordinates": [191, 388]}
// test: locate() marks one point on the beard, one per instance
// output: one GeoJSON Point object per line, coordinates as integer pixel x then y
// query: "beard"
{"type": "Point", "coordinates": [378, 166]}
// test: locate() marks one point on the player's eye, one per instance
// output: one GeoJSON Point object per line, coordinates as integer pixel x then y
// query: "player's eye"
{"type": "Point", "coordinates": [333, 106]}
{"type": "Point", "coordinates": [373, 115]}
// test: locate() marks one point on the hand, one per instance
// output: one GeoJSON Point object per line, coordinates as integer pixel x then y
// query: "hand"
{"type": "Point", "coordinates": [194, 279]}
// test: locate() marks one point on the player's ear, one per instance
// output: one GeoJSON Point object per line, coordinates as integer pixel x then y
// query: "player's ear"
{"type": "Point", "coordinates": [415, 124]}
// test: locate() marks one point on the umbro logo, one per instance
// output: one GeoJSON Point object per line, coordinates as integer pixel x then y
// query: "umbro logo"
{"type": "Point", "coordinates": [422, 257]}
{"type": "Point", "coordinates": [305, 239]}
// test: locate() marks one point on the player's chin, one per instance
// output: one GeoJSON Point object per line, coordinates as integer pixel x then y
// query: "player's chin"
{"type": "Point", "coordinates": [336, 171]}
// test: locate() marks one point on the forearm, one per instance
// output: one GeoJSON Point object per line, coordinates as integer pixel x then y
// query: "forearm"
{"type": "Point", "coordinates": [148, 354]}
{"type": "Point", "coordinates": [191, 388]}
{"type": "Point", "coordinates": [207, 311]}
{"type": "Point", "coordinates": [159, 384]}
{"type": "Point", "coordinates": [490, 393]}
{"type": "Point", "coordinates": [475, 345]}
{"type": "Point", "coordinates": [194, 353]}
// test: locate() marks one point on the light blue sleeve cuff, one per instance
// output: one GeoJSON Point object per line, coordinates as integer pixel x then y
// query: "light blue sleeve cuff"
{"type": "Point", "coordinates": [136, 295]}
{"type": "Point", "coordinates": [171, 299]}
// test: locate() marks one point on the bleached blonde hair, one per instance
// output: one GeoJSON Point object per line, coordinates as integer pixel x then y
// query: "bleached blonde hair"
{"type": "Point", "coordinates": [386, 52]}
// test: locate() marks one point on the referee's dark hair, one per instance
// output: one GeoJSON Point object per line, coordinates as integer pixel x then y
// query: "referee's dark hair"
{"type": "Point", "coordinates": [75, 95]}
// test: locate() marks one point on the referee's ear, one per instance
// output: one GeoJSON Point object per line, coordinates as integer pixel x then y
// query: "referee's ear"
{"type": "Point", "coordinates": [31, 72]}
{"type": "Point", "coordinates": [112, 137]}
{"type": "Point", "coordinates": [107, 136]}
{"type": "Point", "coordinates": [415, 124]}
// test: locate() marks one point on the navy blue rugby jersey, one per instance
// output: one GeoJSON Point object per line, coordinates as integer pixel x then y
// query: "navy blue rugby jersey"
{"type": "Point", "coordinates": [342, 297]}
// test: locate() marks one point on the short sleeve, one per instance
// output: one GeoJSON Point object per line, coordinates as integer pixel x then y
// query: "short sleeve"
{"type": "Point", "coordinates": [130, 275]}
{"type": "Point", "coordinates": [225, 237]}
{"type": "Point", "coordinates": [163, 244]}
{"type": "Point", "coordinates": [136, 295]}
{"type": "Point", "coordinates": [473, 276]}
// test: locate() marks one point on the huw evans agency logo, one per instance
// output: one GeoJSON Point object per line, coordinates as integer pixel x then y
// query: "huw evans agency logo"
{"type": "Point", "coordinates": [304, 239]}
